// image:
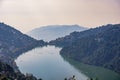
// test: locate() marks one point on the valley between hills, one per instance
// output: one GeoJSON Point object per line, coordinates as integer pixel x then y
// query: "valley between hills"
{"type": "Point", "coordinates": [98, 47]}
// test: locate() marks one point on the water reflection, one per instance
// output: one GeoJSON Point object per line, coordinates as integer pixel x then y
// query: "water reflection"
{"type": "Point", "coordinates": [93, 71]}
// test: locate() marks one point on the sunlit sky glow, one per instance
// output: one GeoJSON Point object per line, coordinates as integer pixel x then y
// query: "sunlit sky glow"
{"type": "Point", "coordinates": [26, 15]}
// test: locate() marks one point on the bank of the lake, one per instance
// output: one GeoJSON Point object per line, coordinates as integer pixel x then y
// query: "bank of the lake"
{"type": "Point", "coordinates": [94, 71]}
{"type": "Point", "coordinates": [48, 64]}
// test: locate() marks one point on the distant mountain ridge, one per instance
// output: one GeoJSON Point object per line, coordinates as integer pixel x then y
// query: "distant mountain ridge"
{"type": "Point", "coordinates": [98, 46]}
{"type": "Point", "coordinates": [51, 32]}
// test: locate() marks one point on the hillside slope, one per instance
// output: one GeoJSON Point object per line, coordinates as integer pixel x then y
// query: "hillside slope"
{"type": "Point", "coordinates": [97, 46]}
{"type": "Point", "coordinates": [13, 43]}
{"type": "Point", "coordinates": [69, 39]}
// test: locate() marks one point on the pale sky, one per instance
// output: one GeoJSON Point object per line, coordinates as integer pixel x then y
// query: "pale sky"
{"type": "Point", "coordinates": [26, 15]}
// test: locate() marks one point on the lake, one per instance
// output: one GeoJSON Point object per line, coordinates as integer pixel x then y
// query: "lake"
{"type": "Point", "coordinates": [48, 64]}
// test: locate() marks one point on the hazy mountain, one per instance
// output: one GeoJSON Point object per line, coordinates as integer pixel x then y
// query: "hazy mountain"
{"type": "Point", "coordinates": [98, 46]}
{"type": "Point", "coordinates": [52, 32]}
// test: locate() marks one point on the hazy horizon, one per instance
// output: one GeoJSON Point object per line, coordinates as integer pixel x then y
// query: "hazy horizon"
{"type": "Point", "coordinates": [26, 15]}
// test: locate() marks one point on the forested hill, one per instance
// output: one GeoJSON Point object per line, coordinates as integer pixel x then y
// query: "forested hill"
{"type": "Point", "coordinates": [69, 39]}
{"type": "Point", "coordinates": [8, 73]}
{"type": "Point", "coordinates": [101, 49]}
{"type": "Point", "coordinates": [99, 46]}
{"type": "Point", "coordinates": [13, 43]}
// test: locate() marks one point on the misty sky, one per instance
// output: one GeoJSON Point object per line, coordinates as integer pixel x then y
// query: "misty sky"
{"type": "Point", "coordinates": [28, 14]}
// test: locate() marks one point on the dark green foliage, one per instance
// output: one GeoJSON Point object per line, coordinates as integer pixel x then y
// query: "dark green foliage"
{"type": "Point", "coordinates": [7, 73]}
{"type": "Point", "coordinates": [91, 79]}
{"type": "Point", "coordinates": [101, 48]}
{"type": "Point", "coordinates": [65, 79]}
{"type": "Point", "coordinates": [5, 67]}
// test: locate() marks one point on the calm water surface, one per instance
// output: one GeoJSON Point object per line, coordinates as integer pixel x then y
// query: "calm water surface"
{"type": "Point", "coordinates": [47, 63]}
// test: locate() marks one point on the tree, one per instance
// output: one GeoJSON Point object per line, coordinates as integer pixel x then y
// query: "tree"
{"type": "Point", "coordinates": [65, 79]}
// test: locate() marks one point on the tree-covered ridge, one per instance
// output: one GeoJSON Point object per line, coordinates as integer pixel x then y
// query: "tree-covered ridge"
{"type": "Point", "coordinates": [69, 39]}
{"type": "Point", "coordinates": [101, 48]}
{"type": "Point", "coordinates": [12, 44]}
{"type": "Point", "coordinates": [8, 73]}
